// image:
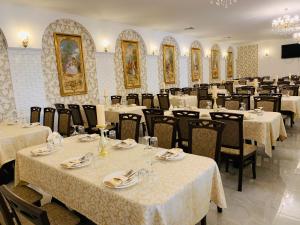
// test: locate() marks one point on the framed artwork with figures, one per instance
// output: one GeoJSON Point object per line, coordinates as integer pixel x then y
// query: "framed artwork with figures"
{"type": "Point", "coordinates": [230, 64]}
{"type": "Point", "coordinates": [215, 63]}
{"type": "Point", "coordinates": [131, 64]}
{"type": "Point", "coordinates": [196, 64]}
{"type": "Point", "coordinates": [70, 64]}
{"type": "Point", "coordinates": [169, 64]}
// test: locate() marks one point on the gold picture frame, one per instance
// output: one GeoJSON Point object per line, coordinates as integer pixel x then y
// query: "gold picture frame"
{"type": "Point", "coordinates": [169, 64]}
{"type": "Point", "coordinates": [229, 67]}
{"type": "Point", "coordinates": [196, 67]}
{"type": "Point", "coordinates": [215, 62]}
{"type": "Point", "coordinates": [70, 64]}
{"type": "Point", "coordinates": [131, 64]}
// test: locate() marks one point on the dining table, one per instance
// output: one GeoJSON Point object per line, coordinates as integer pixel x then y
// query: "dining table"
{"type": "Point", "coordinates": [171, 193]}
{"type": "Point", "coordinates": [15, 136]}
{"type": "Point", "coordinates": [180, 100]}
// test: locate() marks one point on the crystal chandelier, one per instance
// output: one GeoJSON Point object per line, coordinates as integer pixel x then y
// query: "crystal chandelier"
{"type": "Point", "coordinates": [223, 3]}
{"type": "Point", "coordinates": [296, 36]}
{"type": "Point", "coordinates": [286, 24]}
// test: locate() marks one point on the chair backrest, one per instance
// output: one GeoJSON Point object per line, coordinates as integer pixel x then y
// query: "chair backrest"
{"type": "Point", "coordinates": [164, 128]}
{"type": "Point", "coordinates": [186, 90]}
{"type": "Point", "coordinates": [202, 102]}
{"type": "Point", "coordinates": [245, 90]}
{"type": "Point", "coordinates": [35, 114]}
{"type": "Point", "coordinates": [194, 92]}
{"type": "Point", "coordinates": [175, 91]}
{"type": "Point", "coordinates": [129, 125]}
{"type": "Point", "coordinates": [232, 136]}
{"type": "Point", "coordinates": [133, 99]}
{"type": "Point", "coordinates": [115, 99]}
{"type": "Point", "coordinates": [164, 91]}
{"type": "Point", "coordinates": [183, 117]}
{"type": "Point", "coordinates": [164, 101]}
{"type": "Point", "coordinates": [202, 91]}
{"type": "Point", "coordinates": [59, 105]}
{"type": "Point", "coordinates": [76, 114]}
{"type": "Point", "coordinates": [269, 103]}
{"type": "Point", "coordinates": [205, 138]}
{"type": "Point", "coordinates": [221, 100]}
{"type": "Point", "coordinates": [49, 114]}
{"type": "Point", "coordinates": [291, 90]}
{"type": "Point", "coordinates": [91, 115]}
{"type": "Point", "coordinates": [147, 100]}
{"type": "Point", "coordinates": [229, 86]}
{"type": "Point", "coordinates": [64, 122]}
{"type": "Point", "coordinates": [268, 89]}
{"type": "Point", "coordinates": [246, 99]}
{"type": "Point", "coordinates": [18, 206]}
{"type": "Point", "coordinates": [233, 102]}
{"type": "Point", "coordinates": [148, 114]}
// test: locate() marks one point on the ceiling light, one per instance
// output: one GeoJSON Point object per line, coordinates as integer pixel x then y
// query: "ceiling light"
{"type": "Point", "coordinates": [296, 36]}
{"type": "Point", "coordinates": [223, 3]}
{"type": "Point", "coordinates": [286, 24]}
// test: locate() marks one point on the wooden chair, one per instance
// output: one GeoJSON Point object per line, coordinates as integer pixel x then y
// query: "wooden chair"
{"type": "Point", "coordinates": [64, 122]}
{"type": "Point", "coordinates": [290, 90]}
{"type": "Point", "coordinates": [133, 99]}
{"type": "Point", "coordinates": [229, 86]}
{"type": "Point", "coordinates": [148, 114]}
{"type": "Point", "coordinates": [164, 101]}
{"type": "Point", "coordinates": [76, 114]}
{"type": "Point", "coordinates": [183, 117]}
{"type": "Point", "coordinates": [233, 144]}
{"type": "Point", "coordinates": [91, 116]}
{"type": "Point", "coordinates": [221, 100]}
{"type": "Point", "coordinates": [268, 89]}
{"type": "Point", "coordinates": [194, 92]}
{"type": "Point", "coordinates": [129, 125]}
{"type": "Point", "coordinates": [246, 90]}
{"type": "Point", "coordinates": [18, 211]}
{"type": "Point", "coordinates": [202, 92]}
{"type": "Point", "coordinates": [269, 103]}
{"type": "Point", "coordinates": [35, 114]}
{"type": "Point", "coordinates": [164, 128]}
{"type": "Point", "coordinates": [174, 91]}
{"type": "Point", "coordinates": [59, 106]}
{"type": "Point", "coordinates": [164, 91]}
{"type": "Point", "coordinates": [246, 99]}
{"type": "Point", "coordinates": [115, 99]}
{"type": "Point", "coordinates": [202, 102]}
{"type": "Point", "coordinates": [49, 114]}
{"type": "Point", "coordinates": [148, 100]}
{"type": "Point", "coordinates": [233, 102]}
{"type": "Point", "coordinates": [186, 90]}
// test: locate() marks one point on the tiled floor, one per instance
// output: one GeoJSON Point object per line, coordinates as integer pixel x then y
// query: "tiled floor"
{"type": "Point", "coordinates": [273, 198]}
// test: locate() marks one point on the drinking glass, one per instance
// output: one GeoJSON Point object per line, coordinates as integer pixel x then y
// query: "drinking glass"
{"type": "Point", "coordinates": [145, 141]}
{"type": "Point", "coordinates": [81, 129]}
{"type": "Point", "coordinates": [112, 134]}
{"type": "Point", "coordinates": [75, 130]}
{"type": "Point", "coordinates": [154, 142]}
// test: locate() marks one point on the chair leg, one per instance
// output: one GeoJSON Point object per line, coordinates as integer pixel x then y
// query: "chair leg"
{"type": "Point", "coordinates": [240, 184]}
{"type": "Point", "coordinates": [254, 167]}
{"type": "Point", "coordinates": [220, 210]}
{"type": "Point", "coordinates": [203, 221]}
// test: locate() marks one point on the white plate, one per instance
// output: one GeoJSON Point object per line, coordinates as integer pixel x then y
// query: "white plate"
{"type": "Point", "coordinates": [79, 165]}
{"type": "Point", "coordinates": [87, 138]}
{"type": "Point", "coordinates": [180, 156]}
{"type": "Point", "coordinates": [121, 145]}
{"type": "Point", "coordinates": [134, 180]}
{"type": "Point", "coordinates": [35, 152]}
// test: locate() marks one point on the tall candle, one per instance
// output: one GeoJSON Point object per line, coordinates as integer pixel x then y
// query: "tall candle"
{"type": "Point", "coordinates": [100, 109]}
{"type": "Point", "coordinates": [214, 91]}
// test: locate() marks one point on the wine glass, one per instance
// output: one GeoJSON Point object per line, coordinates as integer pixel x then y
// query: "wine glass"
{"type": "Point", "coordinates": [146, 140]}
{"type": "Point", "coordinates": [75, 130]}
{"type": "Point", "coordinates": [112, 134]}
{"type": "Point", "coordinates": [242, 108]}
{"type": "Point", "coordinates": [154, 142]}
{"type": "Point", "coordinates": [81, 129]}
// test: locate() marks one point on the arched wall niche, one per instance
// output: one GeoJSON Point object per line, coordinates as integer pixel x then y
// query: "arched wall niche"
{"type": "Point", "coordinates": [215, 63]}
{"type": "Point", "coordinates": [195, 45]}
{"type": "Point", "coordinates": [49, 64]}
{"type": "Point", "coordinates": [169, 40]}
{"type": "Point", "coordinates": [7, 100]}
{"type": "Point", "coordinates": [130, 35]}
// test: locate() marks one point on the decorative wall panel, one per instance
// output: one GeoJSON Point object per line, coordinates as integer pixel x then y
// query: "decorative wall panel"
{"type": "Point", "coordinates": [7, 100]}
{"type": "Point", "coordinates": [195, 44]}
{"type": "Point", "coordinates": [130, 35]}
{"type": "Point", "coordinates": [52, 90]}
{"type": "Point", "coordinates": [247, 61]}
{"type": "Point", "coordinates": [215, 64]}
{"type": "Point", "coordinates": [169, 40]}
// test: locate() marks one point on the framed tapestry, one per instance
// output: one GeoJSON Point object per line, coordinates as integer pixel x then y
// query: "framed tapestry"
{"type": "Point", "coordinates": [215, 62]}
{"type": "Point", "coordinates": [131, 64]}
{"type": "Point", "coordinates": [169, 64]}
{"type": "Point", "coordinates": [196, 64]}
{"type": "Point", "coordinates": [70, 64]}
{"type": "Point", "coordinates": [230, 63]}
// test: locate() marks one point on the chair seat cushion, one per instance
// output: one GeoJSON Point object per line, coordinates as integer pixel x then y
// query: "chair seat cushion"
{"type": "Point", "coordinates": [59, 215]}
{"type": "Point", "coordinates": [248, 149]}
{"type": "Point", "coordinates": [27, 193]}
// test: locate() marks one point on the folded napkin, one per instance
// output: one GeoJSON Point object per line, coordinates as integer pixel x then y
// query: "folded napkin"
{"type": "Point", "coordinates": [120, 180]}
{"type": "Point", "coordinates": [55, 139]}
{"type": "Point", "coordinates": [88, 136]}
{"type": "Point", "coordinates": [128, 142]}
{"type": "Point", "coordinates": [171, 153]}
{"type": "Point", "coordinates": [132, 105]}
{"type": "Point", "coordinates": [41, 151]}
{"type": "Point", "coordinates": [77, 161]}
{"type": "Point", "coordinates": [28, 125]}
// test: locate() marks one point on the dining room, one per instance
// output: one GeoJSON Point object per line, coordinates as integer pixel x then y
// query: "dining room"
{"type": "Point", "coordinates": [149, 112]}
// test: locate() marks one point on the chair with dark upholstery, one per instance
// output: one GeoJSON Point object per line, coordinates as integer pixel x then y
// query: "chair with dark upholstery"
{"type": "Point", "coordinates": [35, 114]}
{"type": "Point", "coordinates": [229, 86]}
{"type": "Point", "coordinates": [205, 138]}
{"type": "Point", "coordinates": [129, 125]}
{"type": "Point", "coordinates": [76, 114]}
{"type": "Point", "coordinates": [49, 114]}
{"type": "Point", "coordinates": [202, 102]}
{"type": "Point", "coordinates": [18, 211]}
{"type": "Point", "coordinates": [164, 128]}
{"type": "Point", "coordinates": [91, 116]}
{"type": "Point", "coordinates": [202, 92]}
{"type": "Point", "coordinates": [221, 100]}
{"type": "Point", "coordinates": [268, 103]}
{"type": "Point", "coordinates": [194, 92]}
{"type": "Point", "coordinates": [233, 102]}
{"type": "Point", "coordinates": [183, 117]}
{"type": "Point", "coordinates": [64, 122]}
{"type": "Point", "coordinates": [246, 99]}
{"type": "Point", "coordinates": [233, 144]}
{"type": "Point", "coordinates": [290, 90]}
{"type": "Point", "coordinates": [115, 99]}
{"type": "Point", "coordinates": [246, 90]}
{"type": "Point", "coordinates": [59, 105]}
{"type": "Point", "coordinates": [148, 100]}
{"type": "Point", "coordinates": [164, 91]}
{"type": "Point", "coordinates": [133, 99]}
{"type": "Point", "coordinates": [164, 101]}
{"type": "Point", "coordinates": [268, 89]}
{"type": "Point", "coordinates": [174, 91]}
{"type": "Point", "coordinates": [186, 90]}
{"type": "Point", "coordinates": [148, 114]}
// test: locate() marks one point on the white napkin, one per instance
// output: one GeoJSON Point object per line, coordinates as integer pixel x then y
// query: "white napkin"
{"type": "Point", "coordinates": [75, 162]}
{"type": "Point", "coordinates": [171, 153]}
{"type": "Point", "coordinates": [120, 180]}
{"type": "Point", "coordinates": [55, 139]}
{"type": "Point", "coordinates": [28, 125]}
{"type": "Point", "coordinates": [41, 151]}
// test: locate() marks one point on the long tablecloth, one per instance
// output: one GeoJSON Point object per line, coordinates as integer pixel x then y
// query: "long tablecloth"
{"type": "Point", "coordinates": [14, 137]}
{"type": "Point", "coordinates": [178, 193]}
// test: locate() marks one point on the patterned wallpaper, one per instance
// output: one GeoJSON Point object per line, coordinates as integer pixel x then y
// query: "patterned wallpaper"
{"type": "Point", "coordinates": [131, 35]}
{"type": "Point", "coordinates": [7, 100]}
{"type": "Point", "coordinates": [169, 40]}
{"type": "Point", "coordinates": [50, 68]}
{"type": "Point", "coordinates": [195, 44]}
{"type": "Point", "coordinates": [247, 61]}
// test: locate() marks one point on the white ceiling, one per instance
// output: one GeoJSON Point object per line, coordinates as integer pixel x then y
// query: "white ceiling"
{"type": "Point", "coordinates": [247, 20]}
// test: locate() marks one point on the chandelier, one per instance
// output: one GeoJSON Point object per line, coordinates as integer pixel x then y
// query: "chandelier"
{"type": "Point", "coordinates": [296, 36]}
{"type": "Point", "coordinates": [223, 3]}
{"type": "Point", "coordinates": [286, 24]}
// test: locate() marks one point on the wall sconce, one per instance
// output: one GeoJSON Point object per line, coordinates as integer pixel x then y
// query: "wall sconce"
{"type": "Point", "coordinates": [153, 50]}
{"type": "Point", "coordinates": [24, 37]}
{"type": "Point", "coordinates": [266, 52]}
{"type": "Point", "coordinates": [207, 54]}
{"type": "Point", "coordinates": [225, 55]}
{"type": "Point", "coordinates": [185, 52]}
{"type": "Point", "coordinates": [105, 44]}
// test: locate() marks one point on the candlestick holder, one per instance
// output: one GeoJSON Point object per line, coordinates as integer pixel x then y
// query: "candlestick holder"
{"type": "Point", "coordinates": [215, 106]}
{"type": "Point", "coordinates": [102, 143]}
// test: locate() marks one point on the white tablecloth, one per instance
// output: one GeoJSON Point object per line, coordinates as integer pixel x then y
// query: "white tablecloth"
{"type": "Point", "coordinates": [112, 113]}
{"type": "Point", "coordinates": [178, 193]}
{"type": "Point", "coordinates": [265, 129]}
{"type": "Point", "coordinates": [219, 91]}
{"type": "Point", "coordinates": [177, 100]}
{"type": "Point", "coordinates": [14, 138]}
{"type": "Point", "coordinates": [291, 103]}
